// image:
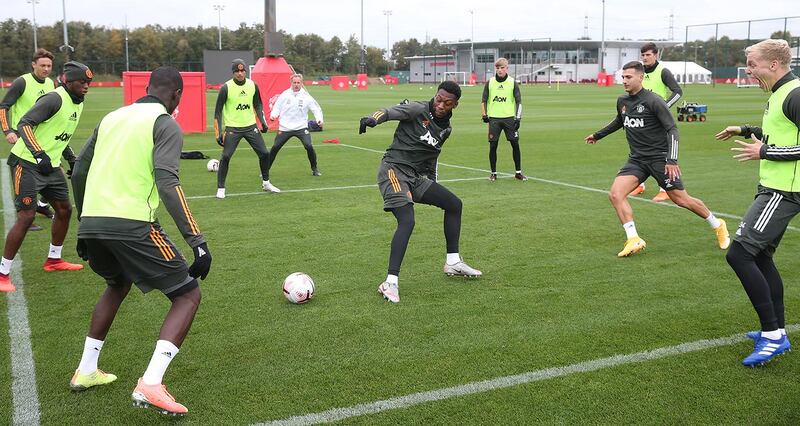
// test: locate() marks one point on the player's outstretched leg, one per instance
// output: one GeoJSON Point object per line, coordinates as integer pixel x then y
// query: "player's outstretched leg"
{"type": "Point", "coordinates": [681, 198]}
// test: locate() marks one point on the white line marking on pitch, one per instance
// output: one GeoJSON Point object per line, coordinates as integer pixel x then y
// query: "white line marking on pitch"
{"type": "Point", "coordinates": [418, 398]}
{"type": "Point", "coordinates": [474, 169]}
{"type": "Point", "coordinates": [23, 370]}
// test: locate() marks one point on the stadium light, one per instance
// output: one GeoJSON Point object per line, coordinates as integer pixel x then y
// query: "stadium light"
{"type": "Point", "coordinates": [388, 13]}
{"type": "Point", "coordinates": [472, 42]}
{"type": "Point", "coordinates": [603, 39]}
{"type": "Point", "coordinates": [219, 8]}
{"type": "Point", "coordinates": [35, 39]}
{"type": "Point", "coordinates": [66, 48]}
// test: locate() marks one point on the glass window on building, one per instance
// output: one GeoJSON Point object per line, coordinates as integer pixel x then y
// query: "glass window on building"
{"type": "Point", "coordinates": [484, 58]}
{"type": "Point", "coordinates": [513, 57]}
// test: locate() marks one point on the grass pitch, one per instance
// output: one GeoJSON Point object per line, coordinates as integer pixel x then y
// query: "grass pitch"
{"type": "Point", "coordinates": [553, 292]}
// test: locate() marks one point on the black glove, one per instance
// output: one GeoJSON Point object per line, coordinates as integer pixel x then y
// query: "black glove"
{"type": "Point", "coordinates": [43, 163]}
{"type": "Point", "coordinates": [71, 167]}
{"type": "Point", "coordinates": [485, 118]}
{"type": "Point", "coordinates": [220, 140]}
{"type": "Point", "coordinates": [516, 123]}
{"type": "Point", "coordinates": [202, 262]}
{"type": "Point", "coordinates": [366, 121]}
{"type": "Point", "coordinates": [264, 129]}
{"type": "Point", "coordinates": [83, 251]}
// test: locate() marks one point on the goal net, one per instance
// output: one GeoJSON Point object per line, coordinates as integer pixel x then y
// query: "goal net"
{"type": "Point", "coordinates": [459, 77]}
{"type": "Point", "coordinates": [743, 80]}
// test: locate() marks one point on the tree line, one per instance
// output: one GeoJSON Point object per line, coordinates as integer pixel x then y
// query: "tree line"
{"type": "Point", "coordinates": [103, 49]}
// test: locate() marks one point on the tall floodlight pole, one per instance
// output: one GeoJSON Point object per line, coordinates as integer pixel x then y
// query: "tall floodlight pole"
{"type": "Point", "coordinates": [603, 39]}
{"type": "Point", "coordinates": [472, 42]}
{"type": "Point", "coordinates": [66, 48]}
{"type": "Point", "coordinates": [219, 8]}
{"type": "Point", "coordinates": [127, 61]}
{"type": "Point", "coordinates": [35, 38]}
{"type": "Point", "coordinates": [362, 66]}
{"type": "Point", "coordinates": [388, 13]}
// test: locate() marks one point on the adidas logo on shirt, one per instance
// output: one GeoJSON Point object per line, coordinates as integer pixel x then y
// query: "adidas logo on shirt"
{"type": "Point", "coordinates": [73, 117]}
{"type": "Point", "coordinates": [242, 93]}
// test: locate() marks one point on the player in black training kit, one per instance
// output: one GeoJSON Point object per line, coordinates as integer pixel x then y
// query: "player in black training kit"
{"type": "Point", "coordinates": [653, 140]}
{"type": "Point", "coordinates": [407, 175]}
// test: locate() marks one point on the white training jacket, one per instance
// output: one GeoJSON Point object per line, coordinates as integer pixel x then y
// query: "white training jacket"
{"type": "Point", "coordinates": [292, 109]}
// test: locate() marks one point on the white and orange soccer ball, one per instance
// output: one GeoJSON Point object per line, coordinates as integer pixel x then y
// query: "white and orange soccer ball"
{"type": "Point", "coordinates": [298, 288]}
{"type": "Point", "coordinates": [212, 165]}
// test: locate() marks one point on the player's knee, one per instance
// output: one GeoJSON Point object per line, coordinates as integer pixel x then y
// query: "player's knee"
{"type": "Point", "coordinates": [455, 205]}
{"type": "Point", "coordinates": [737, 255]}
{"type": "Point", "coordinates": [616, 196]}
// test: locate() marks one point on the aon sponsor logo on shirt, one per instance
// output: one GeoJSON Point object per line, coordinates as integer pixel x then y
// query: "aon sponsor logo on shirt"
{"type": "Point", "coordinates": [64, 136]}
{"type": "Point", "coordinates": [242, 107]}
{"type": "Point", "coordinates": [499, 99]}
{"type": "Point", "coordinates": [428, 137]}
{"type": "Point", "coordinates": [633, 122]}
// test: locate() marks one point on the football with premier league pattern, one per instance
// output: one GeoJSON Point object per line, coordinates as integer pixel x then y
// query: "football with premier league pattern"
{"type": "Point", "coordinates": [298, 288]}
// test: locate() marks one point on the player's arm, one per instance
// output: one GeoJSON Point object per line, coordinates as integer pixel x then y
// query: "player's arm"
{"type": "Point", "coordinates": [315, 109]}
{"type": "Point", "coordinates": [11, 97]}
{"type": "Point", "coordinates": [81, 170]}
{"type": "Point", "coordinates": [397, 113]}
{"type": "Point", "coordinates": [484, 100]}
{"type": "Point", "coordinates": [659, 107]}
{"type": "Point", "coordinates": [167, 145]}
{"type": "Point", "coordinates": [518, 100]}
{"type": "Point", "coordinates": [672, 84]}
{"type": "Point", "coordinates": [168, 142]}
{"type": "Point", "coordinates": [221, 99]}
{"type": "Point", "coordinates": [610, 128]}
{"type": "Point", "coordinates": [276, 107]}
{"type": "Point", "coordinates": [259, 107]}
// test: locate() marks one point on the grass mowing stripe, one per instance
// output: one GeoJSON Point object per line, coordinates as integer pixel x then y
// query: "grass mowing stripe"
{"type": "Point", "coordinates": [405, 401]}
{"type": "Point", "coordinates": [23, 369]}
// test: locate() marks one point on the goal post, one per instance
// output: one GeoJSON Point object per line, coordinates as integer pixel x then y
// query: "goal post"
{"type": "Point", "coordinates": [743, 80]}
{"type": "Point", "coordinates": [459, 77]}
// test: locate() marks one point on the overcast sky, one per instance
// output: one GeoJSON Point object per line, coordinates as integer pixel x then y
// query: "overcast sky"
{"type": "Point", "coordinates": [445, 20]}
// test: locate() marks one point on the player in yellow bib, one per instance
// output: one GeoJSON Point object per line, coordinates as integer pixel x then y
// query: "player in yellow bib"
{"type": "Point", "coordinates": [777, 201]}
{"type": "Point", "coordinates": [19, 99]}
{"type": "Point", "coordinates": [45, 131]}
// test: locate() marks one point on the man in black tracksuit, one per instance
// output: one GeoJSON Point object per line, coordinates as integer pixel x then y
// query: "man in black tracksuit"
{"type": "Point", "coordinates": [407, 175]}
{"type": "Point", "coordinates": [653, 140]}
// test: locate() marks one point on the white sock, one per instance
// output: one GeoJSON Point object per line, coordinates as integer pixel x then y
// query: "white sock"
{"type": "Point", "coordinates": [91, 352]}
{"type": "Point", "coordinates": [661, 189]}
{"type": "Point", "coordinates": [713, 221]}
{"type": "Point", "coordinates": [5, 266]}
{"type": "Point", "coordinates": [162, 356]}
{"type": "Point", "coordinates": [391, 279]}
{"type": "Point", "coordinates": [783, 331]}
{"type": "Point", "coordinates": [41, 204]}
{"type": "Point", "coordinates": [265, 182]}
{"type": "Point", "coordinates": [453, 258]}
{"type": "Point", "coordinates": [630, 230]}
{"type": "Point", "coordinates": [55, 252]}
{"type": "Point", "coordinates": [519, 171]}
{"type": "Point", "coordinates": [771, 335]}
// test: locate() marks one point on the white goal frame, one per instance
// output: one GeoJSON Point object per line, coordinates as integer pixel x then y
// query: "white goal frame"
{"type": "Point", "coordinates": [743, 80]}
{"type": "Point", "coordinates": [456, 74]}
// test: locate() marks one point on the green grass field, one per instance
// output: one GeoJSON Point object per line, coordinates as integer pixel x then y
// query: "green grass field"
{"type": "Point", "coordinates": [553, 293]}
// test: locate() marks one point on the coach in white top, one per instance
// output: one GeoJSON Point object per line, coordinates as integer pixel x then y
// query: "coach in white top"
{"type": "Point", "coordinates": [292, 108]}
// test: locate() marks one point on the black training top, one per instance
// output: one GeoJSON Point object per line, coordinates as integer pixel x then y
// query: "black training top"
{"type": "Point", "coordinates": [649, 127]}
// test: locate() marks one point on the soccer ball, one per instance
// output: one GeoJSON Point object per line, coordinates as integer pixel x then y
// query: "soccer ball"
{"type": "Point", "coordinates": [298, 288]}
{"type": "Point", "coordinates": [212, 165]}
